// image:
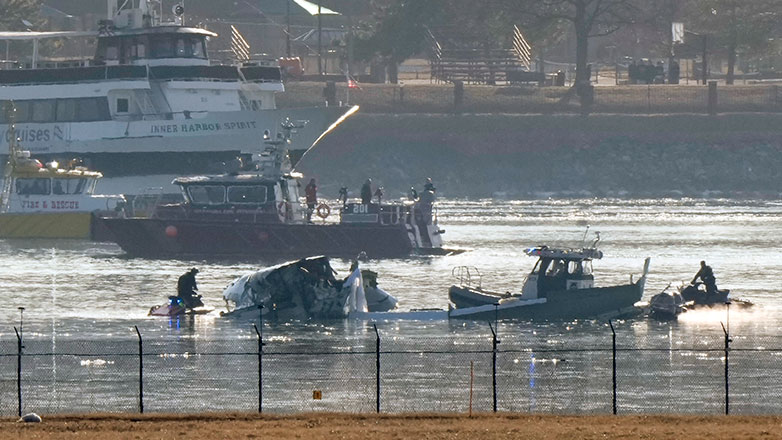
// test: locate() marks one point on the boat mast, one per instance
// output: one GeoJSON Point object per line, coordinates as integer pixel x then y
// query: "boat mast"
{"type": "Point", "coordinates": [13, 151]}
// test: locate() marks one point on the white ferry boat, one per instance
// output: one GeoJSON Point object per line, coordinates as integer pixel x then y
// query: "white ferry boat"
{"type": "Point", "coordinates": [150, 105]}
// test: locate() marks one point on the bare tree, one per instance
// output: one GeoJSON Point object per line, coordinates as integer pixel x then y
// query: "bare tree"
{"type": "Point", "coordinates": [588, 18]}
{"type": "Point", "coordinates": [736, 26]}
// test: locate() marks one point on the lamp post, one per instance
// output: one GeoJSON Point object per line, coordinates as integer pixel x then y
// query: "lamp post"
{"type": "Point", "coordinates": [320, 43]}
{"type": "Point", "coordinates": [288, 28]}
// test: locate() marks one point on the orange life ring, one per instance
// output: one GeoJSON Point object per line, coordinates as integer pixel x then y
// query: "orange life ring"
{"type": "Point", "coordinates": [323, 210]}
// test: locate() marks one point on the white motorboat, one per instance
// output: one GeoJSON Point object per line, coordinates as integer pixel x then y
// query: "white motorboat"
{"type": "Point", "coordinates": [560, 286]}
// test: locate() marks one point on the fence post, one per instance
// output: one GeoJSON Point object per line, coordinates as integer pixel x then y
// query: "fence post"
{"type": "Point", "coordinates": [260, 358]}
{"type": "Point", "coordinates": [458, 94]}
{"type": "Point", "coordinates": [377, 368]}
{"type": "Point", "coordinates": [140, 372]}
{"type": "Point", "coordinates": [712, 98]}
{"type": "Point", "coordinates": [727, 349]}
{"type": "Point", "coordinates": [19, 369]}
{"type": "Point", "coordinates": [613, 367]}
{"type": "Point", "coordinates": [494, 343]}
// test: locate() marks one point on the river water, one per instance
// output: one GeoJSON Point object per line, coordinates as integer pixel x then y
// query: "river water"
{"type": "Point", "coordinates": [79, 290]}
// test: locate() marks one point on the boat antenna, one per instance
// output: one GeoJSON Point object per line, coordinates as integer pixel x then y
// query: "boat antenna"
{"type": "Point", "coordinates": [596, 240]}
{"type": "Point", "coordinates": [583, 240]}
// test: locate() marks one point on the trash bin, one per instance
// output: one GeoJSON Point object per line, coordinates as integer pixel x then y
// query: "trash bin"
{"type": "Point", "coordinates": [560, 79]}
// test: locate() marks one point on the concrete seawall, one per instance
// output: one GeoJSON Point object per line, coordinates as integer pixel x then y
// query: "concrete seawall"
{"type": "Point", "coordinates": [732, 155]}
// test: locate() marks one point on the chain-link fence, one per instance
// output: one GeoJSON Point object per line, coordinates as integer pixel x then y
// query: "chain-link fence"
{"type": "Point", "coordinates": [531, 99]}
{"type": "Point", "coordinates": [388, 372]}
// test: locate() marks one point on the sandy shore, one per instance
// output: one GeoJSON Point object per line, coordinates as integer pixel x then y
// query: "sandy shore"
{"type": "Point", "coordinates": [382, 427]}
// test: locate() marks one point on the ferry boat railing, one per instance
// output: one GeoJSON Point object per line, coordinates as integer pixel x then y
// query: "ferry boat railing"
{"type": "Point", "coordinates": [221, 73]}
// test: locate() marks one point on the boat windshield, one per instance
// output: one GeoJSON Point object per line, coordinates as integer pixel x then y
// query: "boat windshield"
{"type": "Point", "coordinates": [68, 186]}
{"type": "Point", "coordinates": [579, 267]}
{"type": "Point", "coordinates": [33, 186]}
{"type": "Point", "coordinates": [255, 195]}
{"type": "Point", "coordinates": [206, 194]}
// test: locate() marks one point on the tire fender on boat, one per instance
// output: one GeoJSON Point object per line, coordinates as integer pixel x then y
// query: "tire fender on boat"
{"type": "Point", "coordinates": [323, 210]}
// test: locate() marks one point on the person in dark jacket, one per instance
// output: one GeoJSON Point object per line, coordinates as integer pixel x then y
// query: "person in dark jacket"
{"type": "Point", "coordinates": [186, 289]}
{"type": "Point", "coordinates": [707, 277]}
{"type": "Point", "coordinates": [366, 192]}
{"type": "Point", "coordinates": [311, 194]}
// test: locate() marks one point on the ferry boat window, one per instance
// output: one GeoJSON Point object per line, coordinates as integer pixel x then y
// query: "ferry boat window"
{"type": "Point", "coordinates": [43, 110]}
{"type": "Point", "coordinates": [180, 48]}
{"type": "Point", "coordinates": [161, 48]}
{"type": "Point", "coordinates": [66, 110]}
{"type": "Point", "coordinates": [5, 107]}
{"type": "Point", "coordinates": [206, 194]}
{"type": "Point", "coordinates": [141, 50]}
{"type": "Point", "coordinates": [112, 52]}
{"type": "Point", "coordinates": [33, 186]}
{"type": "Point", "coordinates": [247, 194]}
{"type": "Point", "coordinates": [574, 268]}
{"type": "Point", "coordinates": [93, 109]}
{"type": "Point", "coordinates": [123, 105]}
{"type": "Point", "coordinates": [22, 111]}
{"type": "Point", "coordinates": [197, 48]}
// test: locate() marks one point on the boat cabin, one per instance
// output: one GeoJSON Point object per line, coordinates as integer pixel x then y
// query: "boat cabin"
{"type": "Point", "coordinates": [31, 186]}
{"type": "Point", "coordinates": [237, 197]}
{"type": "Point", "coordinates": [559, 269]}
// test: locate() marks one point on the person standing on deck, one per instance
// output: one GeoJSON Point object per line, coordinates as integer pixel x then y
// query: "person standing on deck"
{"type": "Point", "coordinates": [311, 194]}
{"type": "Point", "coordinates": [366, 192]}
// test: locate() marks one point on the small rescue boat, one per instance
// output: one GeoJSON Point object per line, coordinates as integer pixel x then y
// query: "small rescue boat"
{"type": "Point", "coordinates": [560, 286]}
{"type": "Point", "coordinates": [46, 201]}
{"type": "Point", "coordinates": [175, 306]}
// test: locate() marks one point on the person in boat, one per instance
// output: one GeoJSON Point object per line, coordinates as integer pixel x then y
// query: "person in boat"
{"type": "Point", "coordinates": [429, 186]}
{"type": "Point", "coordinates": [186, 289]}
{"type": "Point", "coordinates": [707, 277]}
{"type": "Point", "coordinates": [425, 204]}
{"type": "Point", "coordinates": [379, 194]}
{"type": "Point", "coordinates": [413, 194]}
{"type": "Point", "coordinates": [366, 192]}
{"type": "Point", "coordinates": [343, 195]}
{"type": "Point", "coordinates": [311, 194]}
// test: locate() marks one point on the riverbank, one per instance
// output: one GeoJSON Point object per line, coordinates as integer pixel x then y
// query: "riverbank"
{"type": "Point", "coordinates": [533, 156]}
{"type": "Point", "coordinates": [382, 427]}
